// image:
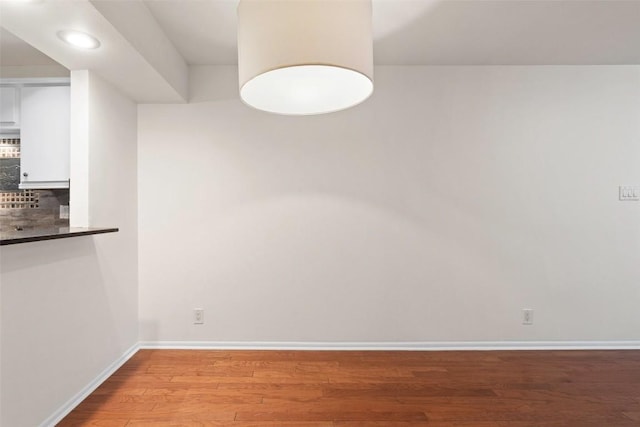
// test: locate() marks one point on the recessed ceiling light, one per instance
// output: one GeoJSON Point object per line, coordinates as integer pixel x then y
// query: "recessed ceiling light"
{"type": "Point", "coordinates": [79, 39]}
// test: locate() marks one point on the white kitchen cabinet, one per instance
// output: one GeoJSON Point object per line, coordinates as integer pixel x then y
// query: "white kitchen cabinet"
{"type": "Point", "coordinates": [9, 108]}
{"type": "Point", "coordinates": [44, 136]}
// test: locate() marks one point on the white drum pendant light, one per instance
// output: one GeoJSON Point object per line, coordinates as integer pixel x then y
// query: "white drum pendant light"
{"type": "Point", "coordinates": [304, 56]}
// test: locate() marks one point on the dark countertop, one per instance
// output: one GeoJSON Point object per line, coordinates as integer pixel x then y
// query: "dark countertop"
{"type": "Point", "coordinates": [36, 235]}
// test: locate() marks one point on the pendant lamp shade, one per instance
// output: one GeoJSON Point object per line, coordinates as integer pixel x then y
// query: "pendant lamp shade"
{"type": "Point", "coordinates": [304, 56]}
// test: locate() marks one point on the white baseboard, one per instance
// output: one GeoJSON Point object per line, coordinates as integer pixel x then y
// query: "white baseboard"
{"type": "Point", "coordinates": [403, 346]}
{"type": "Point", "coordinates": [64, 410]}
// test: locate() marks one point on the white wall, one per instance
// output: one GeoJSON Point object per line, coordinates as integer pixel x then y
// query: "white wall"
{"type": "Point", "coordinates": [69, 307]}
{"type": "Point", "coordinates": [436, 211]}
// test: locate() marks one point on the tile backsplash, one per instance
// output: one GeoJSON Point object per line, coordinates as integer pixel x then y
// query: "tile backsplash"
{"type": "Point", "coordinates": [27, 199]}
{"type": "Point", "coordinates": [26, 209]}
{"type": "Point", "coordinates": [9, 148]}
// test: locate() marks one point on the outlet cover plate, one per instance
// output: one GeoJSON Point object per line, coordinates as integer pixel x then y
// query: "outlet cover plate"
{"type": "Point", "coordinates": [198, 316]}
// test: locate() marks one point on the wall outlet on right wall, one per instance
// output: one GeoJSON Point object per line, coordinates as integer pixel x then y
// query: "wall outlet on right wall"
{"type": "Point", "coordinates": [198, 316]}
{"type": "Point", "coordinates": [527, 316]}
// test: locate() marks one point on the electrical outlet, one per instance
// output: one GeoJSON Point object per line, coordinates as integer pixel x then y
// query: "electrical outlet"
{"type": "Point", "coordinates": [527, 316]}
{"type": "Point", "coordinates": [64, 211]}
{"type": "Point", "coordinates": [198, 316]}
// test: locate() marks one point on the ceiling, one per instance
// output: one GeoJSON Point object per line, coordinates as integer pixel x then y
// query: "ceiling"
{"type": "Point", "coordinates": [14, 51]}
{"type": "Point", "coordinates": [441, 32]}
{"type": "Point", "coordinates": [148, 45]}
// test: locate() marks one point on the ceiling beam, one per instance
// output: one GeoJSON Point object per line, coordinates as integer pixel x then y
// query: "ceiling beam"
{"type": "Point", "coordinates": [145, 65]}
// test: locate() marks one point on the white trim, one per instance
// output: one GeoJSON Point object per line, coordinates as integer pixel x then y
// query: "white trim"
{"type": "Point", "coordinates": [65, 409]}
{"type": "Point", "coordinates": [402, 346]}
{"type": "Point", "coordinates": [35, 81]}
{"type": "Point", "coordinates": [43, 185]}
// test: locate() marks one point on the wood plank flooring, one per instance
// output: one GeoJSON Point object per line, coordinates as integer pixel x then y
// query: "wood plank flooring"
{"type": "Point", "coordinates": [375, 388]}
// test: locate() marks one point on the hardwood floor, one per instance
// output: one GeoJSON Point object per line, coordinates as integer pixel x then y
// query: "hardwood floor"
{"type": "Point", "coordinates": [377, 388]}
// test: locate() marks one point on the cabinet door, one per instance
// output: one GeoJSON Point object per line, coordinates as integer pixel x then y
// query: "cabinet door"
{"type": "Point", "coordinates": [44, 137]}
{"type": "Point", "coordinates": [9, 107]}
